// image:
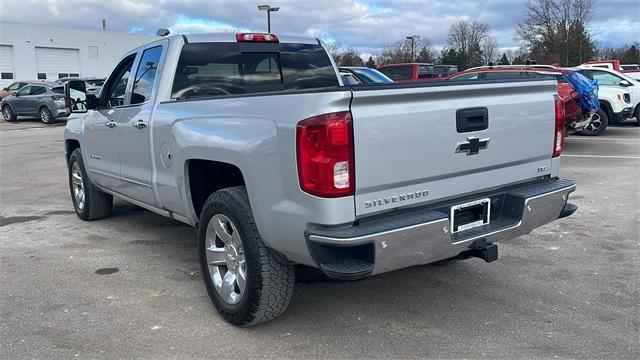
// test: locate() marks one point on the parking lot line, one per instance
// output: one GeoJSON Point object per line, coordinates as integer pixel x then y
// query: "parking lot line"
{"type": "Point", "coordinates": [601, 156]}
{"type": "Point", "coordinates": [601, 139]}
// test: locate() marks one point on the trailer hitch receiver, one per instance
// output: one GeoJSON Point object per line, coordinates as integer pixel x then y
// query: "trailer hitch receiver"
{"type": "Point", "coordinates": [482, 249]}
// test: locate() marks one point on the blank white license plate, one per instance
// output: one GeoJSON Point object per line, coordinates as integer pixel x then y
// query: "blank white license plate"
{"type": "Point", "coordinates": [470, 215]}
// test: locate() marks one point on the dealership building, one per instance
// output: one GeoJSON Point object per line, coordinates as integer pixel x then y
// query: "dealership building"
{"type": "Point", "coordinates": [29, 51]}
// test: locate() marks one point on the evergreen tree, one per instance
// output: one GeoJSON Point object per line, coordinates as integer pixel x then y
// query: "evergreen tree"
{"type": "Point", "coordinates": [371, 63]}
{"type": "Point", "coordinates": [504, 60]}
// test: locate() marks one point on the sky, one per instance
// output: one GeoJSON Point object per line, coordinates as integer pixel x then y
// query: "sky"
{"type": "Point", "coordinates": [366, 25]}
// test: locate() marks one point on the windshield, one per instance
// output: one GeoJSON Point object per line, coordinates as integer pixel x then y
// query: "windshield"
{"type": "Point", "coordinates": [97, 82]}
{"type": "Point", "coordinates": [371, 76]}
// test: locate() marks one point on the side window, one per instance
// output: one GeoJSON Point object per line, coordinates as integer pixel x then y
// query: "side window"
{"type": "Point", "coordinates": [605, 78]}
{"type": "Point", "coordinates": [37, 90]}
{"type": "Point", "coordinates": [116, 86]}
{"type": "Point", "coordinates": [146, 75]}
{"type": "Point", "coordinates": [424, 71]}
{"type": "Point", "coordinates": [24, 91]}
{"type": "Point", "coordinates": [473, 76]}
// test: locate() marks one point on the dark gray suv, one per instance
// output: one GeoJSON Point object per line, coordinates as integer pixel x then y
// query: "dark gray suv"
{"type": "Point", "coordinates": [44, 100]}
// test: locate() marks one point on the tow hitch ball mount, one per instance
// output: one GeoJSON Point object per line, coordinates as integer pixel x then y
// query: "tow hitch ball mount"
{"type": "Point", "coordinates": [482, 249]}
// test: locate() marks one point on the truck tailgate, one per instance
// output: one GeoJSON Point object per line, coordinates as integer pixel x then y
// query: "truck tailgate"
{"type": "Point", "coordinates": [411, 149]}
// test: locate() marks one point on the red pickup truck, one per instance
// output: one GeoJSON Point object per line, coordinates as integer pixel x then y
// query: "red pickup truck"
{"type": "Point", "coordinates": [409, 72]}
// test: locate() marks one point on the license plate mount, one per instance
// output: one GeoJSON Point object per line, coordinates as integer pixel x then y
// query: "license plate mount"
{"type": "Point", "coordinates": [470, 215]}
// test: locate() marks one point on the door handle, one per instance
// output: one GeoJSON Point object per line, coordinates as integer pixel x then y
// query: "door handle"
{"type": "Point", "coordinates": [140, 124]}
{"type": "Point", "coordinates": [110, 124]}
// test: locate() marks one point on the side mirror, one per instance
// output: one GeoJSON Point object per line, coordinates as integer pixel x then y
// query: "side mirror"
{"type": "Point", "coordinates": [76, 97]}
{"type": "Point", "coordinates": [624, 83]}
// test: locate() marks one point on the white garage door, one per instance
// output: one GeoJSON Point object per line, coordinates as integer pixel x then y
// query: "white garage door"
{"type": "Point", "coordinates": [6, 65]}
{"type": "Point", "coordinates": [55, 63]}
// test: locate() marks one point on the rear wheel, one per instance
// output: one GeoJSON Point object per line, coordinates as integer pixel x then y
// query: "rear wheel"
{"type": "Point", "coordinates": [89, 202]}
{"type": "Point", "coordinates": [597, 126]}
{"type": "Point", "coordinates": [45, 115]}
{"type": "Point", "coordinates": [247, 282]}
{"type": "Point", "coordinates": [8, 114]}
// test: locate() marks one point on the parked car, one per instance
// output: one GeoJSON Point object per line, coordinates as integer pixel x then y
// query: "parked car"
{"type": "Point", "coordinates": [45, 100]}
{"type": "Point", "coordinates": [575, 120]}
{"type": "Point", "coordinates": [94, 84]}
{"type": "Point", "coordinates": [278, 165]}
{"type": "Point", "coordinates": [366, 75]}
{"type": "Point", "coordinates": [349, 79]}
{"type": "Point", "coordinates": [633, 71]}
{"type": "Point", "coordinates": [630, 66]}
{"type": "Point", "coordinates": [409, 72]}
{"type": "Point", "coordinates": [13, 87]}
{"type": "Point", "coordinates": [608, 78]}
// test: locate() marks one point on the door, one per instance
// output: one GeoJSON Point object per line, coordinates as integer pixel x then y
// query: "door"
{"type": "Point", "coordinates": [57, 62]}
{"type": "Point", "coordinates": [6, 65]}
{"type": "Point", "coordinates": [134, 130]}
{"type": "Point", "coordinates": [33, 101]}
{"type": "Point", "coordinates": [101, 156]}
{"type": "Point", "coordinates": [18, 103]}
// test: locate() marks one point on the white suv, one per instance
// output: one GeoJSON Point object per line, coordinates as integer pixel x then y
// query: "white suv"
{"type": "Point", "coordinates": [608, 79]}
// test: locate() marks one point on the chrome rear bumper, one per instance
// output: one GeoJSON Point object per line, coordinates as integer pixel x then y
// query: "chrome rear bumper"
{"type": "Point", "coordinates": [422, 236]}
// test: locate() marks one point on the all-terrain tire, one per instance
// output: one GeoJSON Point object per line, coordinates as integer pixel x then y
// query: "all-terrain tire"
{"type": "Point", "coordinates": [270, 277]}
{"type": "Point", "coordinates": [97, 204]}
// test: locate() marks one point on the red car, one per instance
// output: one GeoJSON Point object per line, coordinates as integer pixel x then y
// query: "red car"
{"type": "Point", "coordinates": [573, 114]}
{"type": "Point", "coordinates": [409, 72]}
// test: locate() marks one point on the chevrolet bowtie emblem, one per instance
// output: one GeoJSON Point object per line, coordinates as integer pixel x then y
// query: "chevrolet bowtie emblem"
{"type": "Point", "coordinates": [472, 146]}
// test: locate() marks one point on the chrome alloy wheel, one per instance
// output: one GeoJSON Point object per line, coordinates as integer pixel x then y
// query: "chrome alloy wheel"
{"type": "Point", "coordinates": [77, 185]}
{"type": "Point", "coordinates": [7, 113]}
{"type": "Point", "coordinates": [225, 257]}
{"type": "Point", "coordinates": [594, 125]}
{"type": "Point", "coordinates": [45, 115]}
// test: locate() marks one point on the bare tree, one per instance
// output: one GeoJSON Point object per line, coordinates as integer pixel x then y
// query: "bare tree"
{"type": "Point", "coordinates": [400, 52]}
{"type": "Point", "coordinates": [489, 48]}
{"type": "Point", "coordinates": [555, 30]}
{"type": "Point", "coordinates": [349, 57]}
{"type": "Point", "coordinates": [466, 37]}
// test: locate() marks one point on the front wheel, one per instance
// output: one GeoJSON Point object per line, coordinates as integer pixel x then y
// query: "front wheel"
{"type": "Point", "coordinates": [8, 114]}
{"type": "Point", "coordinates": [247, 282]}
{"type": "Point", "coordinates": [89, 202]}
{"type": "Point", "coordinates": [597, 126]}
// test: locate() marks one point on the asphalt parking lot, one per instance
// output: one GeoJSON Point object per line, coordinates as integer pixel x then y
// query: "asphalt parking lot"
{"type": "Point", "coordinates": [129, 286]}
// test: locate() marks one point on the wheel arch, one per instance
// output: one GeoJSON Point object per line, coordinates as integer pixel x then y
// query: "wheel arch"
{"type": "Point", "coordinates": [204, 177]}
{"type": "Point", "coordinates": [606, 107]}
{"type": "Point", "coordinates": [69, 146]}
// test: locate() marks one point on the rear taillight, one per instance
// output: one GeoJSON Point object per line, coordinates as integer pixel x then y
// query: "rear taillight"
{"type": "Point", "coordinates": [252, 37]}
{"type": "Point", "coordinates": [324, 146]}
{"type": "Point", "coordinates": [558, 139]}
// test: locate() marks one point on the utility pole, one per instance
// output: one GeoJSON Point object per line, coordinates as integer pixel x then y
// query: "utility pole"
{"type": "Point", "coordinates": [413, 39]}
{"type": "Point", "coordinates": [268, 9]}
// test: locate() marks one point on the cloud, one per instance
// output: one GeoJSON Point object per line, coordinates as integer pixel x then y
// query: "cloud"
{"type": "Point", "coordinates": [366, 25]}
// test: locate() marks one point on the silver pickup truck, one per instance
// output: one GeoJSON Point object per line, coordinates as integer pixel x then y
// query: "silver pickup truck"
{"type": "Point", "coordinates": [254, 140]}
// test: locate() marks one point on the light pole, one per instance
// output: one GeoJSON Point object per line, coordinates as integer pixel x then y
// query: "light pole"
{"type": "Point", "coordinates": [413, 39]}
{"type": "Point", "coordinates": [268, 9]}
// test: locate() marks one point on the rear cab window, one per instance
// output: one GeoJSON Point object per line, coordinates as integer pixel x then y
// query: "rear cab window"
{"type": "Point", "coordinates": [398, 72]}
{"type": "Point", "coordinates": [218, 69]}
